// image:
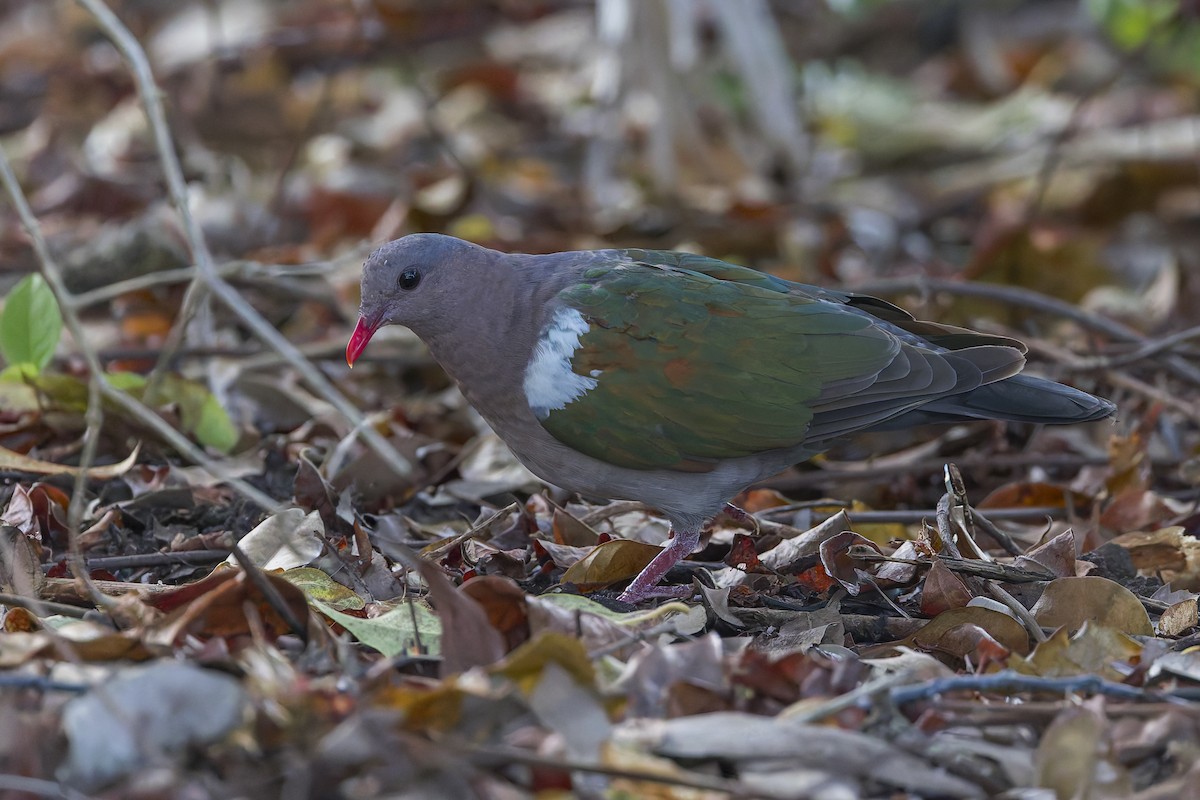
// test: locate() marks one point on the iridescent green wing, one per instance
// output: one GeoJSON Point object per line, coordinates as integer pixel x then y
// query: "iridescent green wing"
{"type": "Point", "coordinates": [686, 360]}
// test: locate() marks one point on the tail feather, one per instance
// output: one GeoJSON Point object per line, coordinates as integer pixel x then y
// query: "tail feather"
{"type": "Point", "coordinates": [1021, 398]}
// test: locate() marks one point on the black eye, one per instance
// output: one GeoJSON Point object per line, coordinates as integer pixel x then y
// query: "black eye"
{"type": "Point", "coordinates": [410, 278]}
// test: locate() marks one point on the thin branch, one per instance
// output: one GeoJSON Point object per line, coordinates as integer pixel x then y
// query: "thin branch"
{"type": "Point", "coordinates": [181, 558]}
{"type": "Point", "coordinates": [94, 418]}
{"type": "Point", "coordinates": [1008, 683]}
{"type": "Point", "coordinates": [206, 272]}
{"type": "Point", "coordinates": [1152, 347]}
{"type": "Point", "coordinates": [1035, 301]}
{"type": "Point", "coordinates": [135, 409]}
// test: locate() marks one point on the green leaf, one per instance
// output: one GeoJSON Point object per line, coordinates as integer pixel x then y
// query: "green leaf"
{"type": "Point", "coordinates": [213, 427]}
{"type": "Point", "coordinates": [199, 413]}
{"type": "Point", "coordinates": [393, 633]}
{"type": "Point", "coordinates": [317, 585]}
{"type": "Point", "coordinates": [30, 324]}
{"type": "Point", "coordinates": [126, 381]}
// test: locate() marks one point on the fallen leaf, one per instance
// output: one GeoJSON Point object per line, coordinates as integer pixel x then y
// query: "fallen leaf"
{"type": "Point", "coordinates": [1001, 627]}
{"type": "Point", "coordinates": [411, 627]}
{"type": "Point", "coordinates": [942, 591]}
{"type": "Point", "coordinates": [1179, 618]}
{"type": "Point", "coordinates": [15, 462]}
{"type": "Point", "coordinates": [284, 541]}
{"type": "Point", "coordinates": [317, 585]}
{"type": "Point", "coordinates": [1071, 602]}
{"type": "Point", "coordinates": [610, 562]}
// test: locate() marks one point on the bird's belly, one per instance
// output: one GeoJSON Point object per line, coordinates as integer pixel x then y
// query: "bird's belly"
{"type": "Point", "coordinates": [699, 495]}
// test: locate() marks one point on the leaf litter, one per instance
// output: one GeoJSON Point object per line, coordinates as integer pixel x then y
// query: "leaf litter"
{"type": "Point", "coordinates": [452, 629]}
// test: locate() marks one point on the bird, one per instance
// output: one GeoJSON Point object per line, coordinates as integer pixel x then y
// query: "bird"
{"type": "Point", "coordinates": [679, 380]}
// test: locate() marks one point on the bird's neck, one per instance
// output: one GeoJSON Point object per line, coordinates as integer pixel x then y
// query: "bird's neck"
{"type": "Point", "coordinates": [486, 353]}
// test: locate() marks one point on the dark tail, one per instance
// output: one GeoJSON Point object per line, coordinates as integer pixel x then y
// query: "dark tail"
{"type": "Point", "coordinates": [1021, 398]}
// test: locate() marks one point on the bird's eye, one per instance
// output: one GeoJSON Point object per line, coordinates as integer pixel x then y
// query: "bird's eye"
{"type": "Point", "coordinates": [410, 278]}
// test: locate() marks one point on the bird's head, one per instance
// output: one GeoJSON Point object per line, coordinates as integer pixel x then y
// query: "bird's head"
{"type": "Point", "coordinates": [414, 281]}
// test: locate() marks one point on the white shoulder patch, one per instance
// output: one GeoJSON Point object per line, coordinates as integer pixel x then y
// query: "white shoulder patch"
{"type": "Point", "coordinates": [550, 383]}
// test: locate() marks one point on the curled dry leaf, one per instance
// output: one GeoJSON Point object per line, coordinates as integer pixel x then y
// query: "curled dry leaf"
{"type": "Point", "coordinates": [1169, 549]}
{"type": "Point", "coordinates": [852, 573]}
{"type": "Point", "coordinates": [228, 605]}
{"type": "Point", "coordinates": [1179, 618]}
{"type": "Point", "coordinates": [285, 540]}
{"type": "Point", "coordinates": [1056, 555]}
{"type": "Point", "coordinates": [504, 603]}
{"type": "Point", "coordinates": [942, 591]}
{"type": "Point", "coordinates": [15, 462]}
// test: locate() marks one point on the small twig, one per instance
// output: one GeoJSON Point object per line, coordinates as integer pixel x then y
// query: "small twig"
{"type": "Point", "coordinates": [41, 683]}
{"type": "Point", "coordinates": [94, 420]}
{"type": "Point", "coordinates": [180, 558]}
{"type": "Point", "coordinates": [165, 277]}
{"type": "Point", "coordinates": [1031, 300]}
{"type": "Point", "coordinates": [1023, 614]}
{"type": "Point", "coordinates": [42, 608]}
{"type": "Point", "coordinates": [436, 551]}
{"type": "Point", "coordinates": [605, 513]}
{"type": "Point", "coordinates": [259, 580]}
{"type": "Point", "coordinates": [988, 570]}
{"type": "Point", "coordinates": [1008, 682]}
{"type": "Point", "coordinates": [1152, 347]}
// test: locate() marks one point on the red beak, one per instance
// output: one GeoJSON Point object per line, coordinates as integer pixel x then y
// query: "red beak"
{"type": "Point", "coordinates": [363, 332]}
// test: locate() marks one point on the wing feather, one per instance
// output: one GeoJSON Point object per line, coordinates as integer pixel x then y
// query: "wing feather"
{"type": "Point", "coordinates": [698, 360]}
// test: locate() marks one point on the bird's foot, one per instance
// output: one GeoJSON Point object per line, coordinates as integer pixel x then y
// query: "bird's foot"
{"type": "Point", "coordinates": [660, 593]}
{"type": "Point", "coordinates": [737, 514]}
{"type": "Point", "coordinates": [644, 585]}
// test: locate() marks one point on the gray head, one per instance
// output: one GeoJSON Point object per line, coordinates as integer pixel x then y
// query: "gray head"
{"type": "Point", "coordinates": [417, 281]}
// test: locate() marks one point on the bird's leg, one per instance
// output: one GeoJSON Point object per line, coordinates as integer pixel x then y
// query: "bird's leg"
{"type": "Point", "coordinates": [681, 545]}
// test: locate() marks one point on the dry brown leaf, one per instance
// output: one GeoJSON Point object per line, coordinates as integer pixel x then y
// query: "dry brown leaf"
{"type": "Point", "coordinates": [1179, 618]}
{"type": "Point", "coordinates": [15, 462]}
{"type": "Point", "coordinates": [1094, 650]}
{"type": "Point", "coordinates": [571, 532]}
{"type": "Point", "coordinates": [1030, 494]}
{"type": "Point", "coordinates": [852, 573]}
{"type": "Point", "coordinates": [610, 562]}
{"type": "Point", "coordinates": [1070, 602]}
{"type": "Point", "coordinates": [1001, 627]}
{"type": "Point", "coordinates": [942, 591]}
{"type": "Point", "coordinates": [1066, 758]}
{"type": "Point", "coordinates": [1056, 555]}
{"type": "Point", "coordinates": [1158, 550]}
{"type": "Point", "coordinates": [504, 603]}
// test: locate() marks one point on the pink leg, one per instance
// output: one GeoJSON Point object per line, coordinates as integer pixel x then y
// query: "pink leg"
{"type": "Point", "coordinates": [680, 546]}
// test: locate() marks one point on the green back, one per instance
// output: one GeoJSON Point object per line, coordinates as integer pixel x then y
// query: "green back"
{"type": "Point", "coordinates": [699, 360]}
